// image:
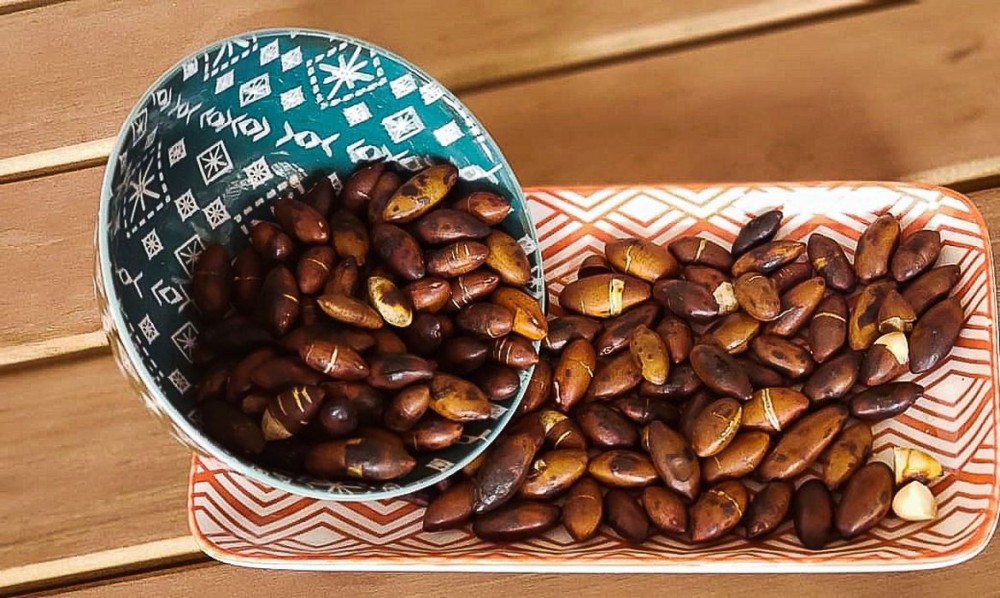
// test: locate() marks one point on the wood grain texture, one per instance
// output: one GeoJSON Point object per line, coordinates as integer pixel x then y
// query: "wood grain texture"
{"type": "Point", "coordinates": [975, 578]}
{"type": "Point", "coordinates": [62, 346]}
{"type": "Point", "coordinates": [79, 73]}
{"type": "Point", "coordinates": [85, 467]}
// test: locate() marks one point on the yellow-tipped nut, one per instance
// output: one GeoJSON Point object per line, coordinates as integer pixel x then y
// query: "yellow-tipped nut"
{"type": "Point", "coordinates": [915, 502]}
{"type": "Point", "coordinates": [912, 464]}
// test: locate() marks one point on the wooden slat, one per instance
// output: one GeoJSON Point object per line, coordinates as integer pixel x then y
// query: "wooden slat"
{"type": "Point", "coordinates": [974, 175]}
{"type": "Point", "coordinates": [63, 346]}
{"type": "Point", "coordinates": [54, 161]}
{"type": "Point", "coordinates": [85, 467]}
{"type": "Point", "coordinates": [10, 6]}
{"type": "Point", "coordinates": [78, 74]}
{"type": "Point", "coordinates": [974, 579]}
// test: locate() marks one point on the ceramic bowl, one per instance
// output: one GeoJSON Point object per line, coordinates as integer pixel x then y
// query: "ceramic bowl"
{"type": "Point", "coordinates": [208, 148]}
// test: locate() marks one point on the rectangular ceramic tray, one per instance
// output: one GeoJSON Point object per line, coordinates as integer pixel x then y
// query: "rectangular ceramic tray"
{"type": "Point", "coordinates": [239, 521]}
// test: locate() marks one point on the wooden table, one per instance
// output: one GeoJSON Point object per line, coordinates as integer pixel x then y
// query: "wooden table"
{"type": "Point", "coordinates": [93, 489]}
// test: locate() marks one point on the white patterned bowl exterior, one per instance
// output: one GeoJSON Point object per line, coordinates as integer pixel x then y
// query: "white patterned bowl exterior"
{"type": "Point", "coordinates": [240, 521]}
{"type": "Point", "coordinates": [209, 147]}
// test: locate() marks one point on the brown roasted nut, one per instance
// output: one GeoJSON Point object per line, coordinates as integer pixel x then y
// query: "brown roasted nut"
{"type": "Point", "coordinates": [563, 329]}
{"type": "Point", "coordinates": [583, 510]}
{"type": "Point", "coordinates": [386, 186]}
{"type": "Point", "coordinates": [621, 468]}
{"type": "Point", "coordinates": [397, 370]}
{"type": "Point", "coordinates": [389, 301]}
{"type": "Point", "coordinates": [468, 288]}
{"type": "Point", "coordinates": [507, 258]}
{"type": "Point", "coordinates": [618, 331]}
{"type": "Point", "coordinates": [733, 333]}
{"type": "Point", "coordinates": [720, 372]}
{"type": "Point", "coordinates": [235, 381]}
{"type": "Point", "coordinates": [887, 359]}
{"type": "Point", "coordinates": [866, 500]}
{"type": "Point", "coordinates": [797, 306]}
{"type": "Point", "coordinates": [769, 508]}
{"type": "Point", "coordinates": [421, 193]}
{"type": "Point", "coordinates": [741, 457]}
{"type": "Point", "coordinates": [270, 242]}
{"type": "Point", "coordinates": [334, 360]}
{"type": "Point", "coordinates": [758, 296]}
{"type": "Point", "coordinates": [487, 206]}
{"type": "Point", "coordinates": [759, 230]}
{"type": "Point", "coordinates": [887, 400]}
{"type": "Point", "coordinates": [539, 388]}
{"type": "Point", "coordinates": [718, 510]}
{"type": "Point", "coordinates": [359, 186]}
{"type": "Point", "coordinates": [432, 433]}
{"type": "Point", "coordinates": [279, 300]}
{"type": "Point", "coordinates": [349, 236]}
{"type": "Point", "coordinates": [802, 443]}
{"type": "Point", "coordinates": [604, 295]}
{"type": "Point", "coordinates": [913, 464]}
{"type": "Point", "coordinates": [716, 426]}
{"type": "Point", "coordinates": [516, 521]}
{"type": "Point", "coordinates": [641, 259]}
{"type": "Point", "coordinates": [248, 276]}
{"type": "Point", "coordinates": [321, 196]}
{"type": "Point", "coordinates": [235, 334]}
{"type": "Point", "coordinates": [281, 372]}
{"type": "Point", "coordinates": [447, 226]}
{"type": "Point", "coordinates": [339, 416]}
{"type": "Point", "coordinates": [895, 314]}
{"type": "Point", "coordinates": [456, 259]}
{"type": "Point", "coordinates": [643, 410]}
{"type": "Point", "coordinates": [553, 472]}
{"type": "Point", "coordinates": [359, 340]}
{"type": "Point", "coordinates": [363, 458]}
{"type": "Point", "coordinates": [486, 320]}
{"type": "Point", "coordinates": [428, 294]}
{"type": "Point", "coordinates": [231, 428]}
{"type": "Point", "coordinates": [686, 299]}
{"type": "Point", "coordinates": [424, 335]}
{"type": "Point", "coordinates": [931, 286]}
{"type": "Point", "coordinates": [350, 311]}
{"type": "Point", "coordinates": [399, 251]}
{"type": "Point", "coordinates": [828, 259]}
{"type": "Point", "coordinates": [768, 257]}
{"type": "Point", "coordinates": [452, 508]}
{"type": "Point", "coordinates": [294, 340]}
{"type": "Point", "coordinates": [211, 282]}
{"type": "Point", "coordinates": [681, 382]}
{"type": "Point", "coordinates": [301, 221]}
{"type": "Point", "coordinates": [560, 431]}
{"type": "Point", "coordinates": [695, 250]}
{"type": "Point", "coordinates": [344, 278]}
{"type": "Point", "coordinates": [464, 354]}
{"type": "Point", "coordinates": [514, 351]}
{"type": "Point", "coordinates": [717, 283]}
{"type": "Point", "coordinates": [673, 459]}
{"type": "Point", "coordinates": [604, 427]}
{"type": "Point", "coordinates": [665, 509]}
{"type": "Point", "coordinates": [368, 402]}
{"type": "Point", "coordinates": [573, 373]}
{"type": "Point", "coordinates": [505, 469]}
{"type": "Point", "coordinates": [677, 335]}
{"type": "Point", "coordinates": [407, 407]}
{"type": "Point", "coordinates": [591, 265]}
{"type": "Point", "coordinates": [651, 352]}
{"type": "Point", "coordinates": [254, 403]}
{"type": "Point", "coordinates": [834, 379]}
{"type": "Point", "coordinates": [624, 515]}
{"type": "Point", "coordinates": [772, 409]}
{"type": "Point", "coordinates": [615, 376]}
{"type": "Point", "coordinates": [456, 399]}
{"type": "Point", "coordinates": [792, 274]}
{"type": "Point", "coordinates": [828, 328]}
{"type": "Point", "coordinates": [935, 334]}
{"type": "Point", "coordinates": [813, 514]}
{"type": "Point", "coordinates": [782, 355]}
{"type": "Point", "coordinates": [291, 411]}
{"type": "Point", "coordinates": [862, 329]}
{"type": "Point", "coordinates": [692, 408]}
{"type": "Point", "coordinates": [876, 247]}
{"type": "Point", "coordinates": [529, 321]}
{"type": "Point", "coordinates": [760, 375]}
{"type": "Point", "coordinates": [847, 453]}
{"type": "Point", "coordinates": [313, 269]}
{"type": "Point", "coordinates": [917, 253]}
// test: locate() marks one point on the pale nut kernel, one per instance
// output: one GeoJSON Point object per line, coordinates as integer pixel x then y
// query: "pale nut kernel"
{"type": "Point", "coordinates": [725, 296]}
{"type": "Point", "coordinates": [896, 343]}
{"type": "Point", "coordinates": [913, 464]}
{"type": "Point", "coordinates": [915, 502]}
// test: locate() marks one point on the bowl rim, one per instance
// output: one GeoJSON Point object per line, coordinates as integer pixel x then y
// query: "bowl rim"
{"type": "Point", "coordinates": [125, 349]}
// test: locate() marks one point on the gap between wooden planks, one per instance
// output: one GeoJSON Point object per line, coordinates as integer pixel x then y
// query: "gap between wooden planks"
{"type": "Point", "coordinates": [515, 64]}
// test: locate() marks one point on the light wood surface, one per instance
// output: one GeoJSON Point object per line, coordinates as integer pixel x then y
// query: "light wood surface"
{"type": "Point", "coordinates": [94, 488]}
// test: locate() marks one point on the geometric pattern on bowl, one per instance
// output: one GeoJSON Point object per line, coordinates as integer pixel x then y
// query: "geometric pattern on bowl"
{"type": "Point", "coordinates": [206, 151]}
{"type": "Point", "coordinates": [239, 521]}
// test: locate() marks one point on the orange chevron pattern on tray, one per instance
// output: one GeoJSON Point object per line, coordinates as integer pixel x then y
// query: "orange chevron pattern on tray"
{"type": "Point", "coordinates": [239, 521]}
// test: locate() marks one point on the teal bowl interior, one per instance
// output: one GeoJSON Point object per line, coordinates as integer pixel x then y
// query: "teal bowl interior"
{"type": "Point", "coordinates": [209, 147]}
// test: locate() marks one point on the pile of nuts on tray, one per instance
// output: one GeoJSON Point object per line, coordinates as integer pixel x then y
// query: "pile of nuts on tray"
{"type": "Point", "coordinates": [684, 377]}
{"type": "Point", "coordinates": [367, 327]}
